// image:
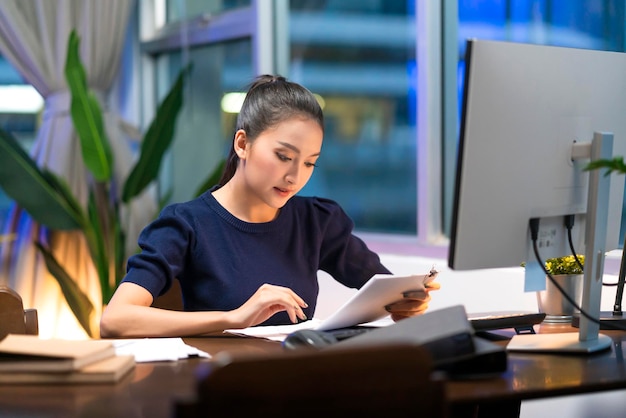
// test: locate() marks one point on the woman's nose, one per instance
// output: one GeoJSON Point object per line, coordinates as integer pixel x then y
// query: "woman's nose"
{"type": "Point", "coordinates": [292, 175]}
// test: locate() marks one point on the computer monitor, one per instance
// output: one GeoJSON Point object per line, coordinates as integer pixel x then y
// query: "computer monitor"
{"type": "Point", "coordinates": [530, 113]}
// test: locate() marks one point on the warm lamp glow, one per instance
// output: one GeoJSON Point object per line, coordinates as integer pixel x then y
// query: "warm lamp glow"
{"type": "Point", "coordinates": [57, 321]}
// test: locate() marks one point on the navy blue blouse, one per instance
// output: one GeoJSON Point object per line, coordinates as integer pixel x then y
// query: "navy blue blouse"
{"type": "Point", "coordinates": [221, 260]}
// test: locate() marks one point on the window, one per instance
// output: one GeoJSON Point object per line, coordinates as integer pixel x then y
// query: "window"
{"type": "Point", "coordinates": [178, 10]}
{"type": "Point", "coordinates": [216, 39]}
{"type": "Point", "coordinates": [205, 126]}
{"type": "Point", "coordinates": [360, 58]}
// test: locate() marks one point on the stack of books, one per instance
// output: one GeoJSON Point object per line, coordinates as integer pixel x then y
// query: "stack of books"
{"type": "Point", "coordinates": [30, 359]}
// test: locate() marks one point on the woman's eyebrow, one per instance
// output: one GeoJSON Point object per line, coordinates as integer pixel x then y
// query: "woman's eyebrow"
{"type": "Point", "coordinates": [295, 149]}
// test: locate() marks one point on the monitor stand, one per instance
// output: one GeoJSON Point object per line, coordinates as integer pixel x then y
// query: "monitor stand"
{"type": "Point", "coordinates": [562, 342]}
{"type": "Point", "coordinates": [588, 339]}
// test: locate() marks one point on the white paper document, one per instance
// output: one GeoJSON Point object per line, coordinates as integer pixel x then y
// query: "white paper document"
{"type": "Point", "coordinates": [366, 307]}
{"type": "Point", "coordinates": [274, 332]}
{"type": "Point", "coordinates": [368, 304]}
{"type": "Point", "coordinates": [156, 349]}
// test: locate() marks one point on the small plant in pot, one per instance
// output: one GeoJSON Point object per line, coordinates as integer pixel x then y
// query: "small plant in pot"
{"type": "Point", "coordinates": [567, 271]}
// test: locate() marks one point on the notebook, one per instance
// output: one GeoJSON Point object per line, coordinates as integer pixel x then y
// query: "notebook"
{"type": "Point", "coordinates": [30, 353]}
{"type": "Point", "coordinates": [109, 370]}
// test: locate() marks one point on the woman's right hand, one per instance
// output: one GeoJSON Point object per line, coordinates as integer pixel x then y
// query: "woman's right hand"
{"type": "Point", "coordinates": [267, 301]}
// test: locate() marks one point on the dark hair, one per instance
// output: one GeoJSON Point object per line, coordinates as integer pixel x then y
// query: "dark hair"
{"type": "Point", "coordinates": [270, 100]}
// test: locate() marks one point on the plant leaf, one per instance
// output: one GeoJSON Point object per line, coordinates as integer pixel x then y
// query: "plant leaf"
{"type": "Point", "coordinates": [77, 300]}
{"type": "Point", "coordinates": [34, 189]}
{"type": "Point", "coordinates": [157, 140]}
{"type": "Point", "coordinates": [61, 187]}
{"type": "Point", "coordinates": [97, 245]}
{"type": "Point", "coordinates": [87, 115]}
{"type": "Point", "coordinates": [614, 165]}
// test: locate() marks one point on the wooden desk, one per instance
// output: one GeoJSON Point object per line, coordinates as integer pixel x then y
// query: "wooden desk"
{"type": "Point", "coordinates": [152, 388]}
{"type": "Point", "coordinates": [535, 376]}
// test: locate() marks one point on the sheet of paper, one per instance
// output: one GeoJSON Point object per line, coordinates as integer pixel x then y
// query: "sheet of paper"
{"type": "Point", "coordinates": [279, 332]}
{"type": "Point", "coordinates": [368, 304]}
{"type": "Point", "coordinates": [275, 332]}
{"type": "Point", "coordinates": [157, 349]}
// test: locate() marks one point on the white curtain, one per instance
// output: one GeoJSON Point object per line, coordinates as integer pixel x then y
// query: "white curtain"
{"type": "Point", "coordinates": [33, 37]}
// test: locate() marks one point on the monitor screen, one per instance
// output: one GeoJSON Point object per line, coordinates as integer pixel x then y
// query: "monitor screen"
{"type": "Point", "coordinates": [524, 108]}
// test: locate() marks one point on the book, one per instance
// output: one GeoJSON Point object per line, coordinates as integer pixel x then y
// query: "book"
{"type": "Point", "coordinates": [109, 370]}
{"type": "Point", "coordinates": [29, 353]}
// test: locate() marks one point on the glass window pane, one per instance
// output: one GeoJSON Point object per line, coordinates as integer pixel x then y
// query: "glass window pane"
{"type": "Point", "coordinates": [203, 130]}
{"type": "Point", "coordinates": [183, 9]}
{"type": "Point", "coordinates": [359, 56]}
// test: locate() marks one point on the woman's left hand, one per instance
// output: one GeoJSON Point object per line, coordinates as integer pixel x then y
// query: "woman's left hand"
{"type": "Point", "coordinates": [413, 303]}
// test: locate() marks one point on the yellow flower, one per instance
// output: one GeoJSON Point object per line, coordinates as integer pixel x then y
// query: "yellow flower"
{"type": "Point", "coordinates": [565, 265]}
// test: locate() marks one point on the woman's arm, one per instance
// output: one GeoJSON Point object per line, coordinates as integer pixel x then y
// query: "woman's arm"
{"type": "Point", "coordinates": [129, 314]}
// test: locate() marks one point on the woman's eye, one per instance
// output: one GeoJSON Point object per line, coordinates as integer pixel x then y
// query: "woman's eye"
{"type": "Point", "coordinates": [282, 157]}
{"type": "Point", "coordinates": [310, 164]}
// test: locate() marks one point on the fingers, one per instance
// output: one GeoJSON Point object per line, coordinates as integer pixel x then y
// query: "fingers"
{"type": "Point", "coordinates": [414, 302]}
{"type": "Point", "coordinates": [416, 294]}
{"type": "Point", "coordinates": [433, 286]}
{"type": "Point", "coordinates": [402, 311]}
{"type": "Point", "coordinates": [293, 304]}
{"type": "Point", "coordinates": [395, 317]}
{"type": "Point", "coordinates": [409, 305]}
{"type": "Point", "coordinates": [421, 294]}
{"type": "Point", "coordinates": [295, 312]}
{"type": "Point", "coordinates": [278, 298]}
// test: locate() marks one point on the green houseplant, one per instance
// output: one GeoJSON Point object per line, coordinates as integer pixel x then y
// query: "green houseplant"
{"type": "Point", "coordinates": [50, 202]}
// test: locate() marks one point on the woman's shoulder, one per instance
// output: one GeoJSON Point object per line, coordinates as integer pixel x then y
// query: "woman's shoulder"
{"type": "Point", "coordinates": [320, 209]}
{"type": "Point", "coordinates": [187, 209]}
{"type": "Point", "coordinates": [318, 204]}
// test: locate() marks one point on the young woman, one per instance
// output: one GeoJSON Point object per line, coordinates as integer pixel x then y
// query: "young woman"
{"type": "Point", "coordinates": [247, 252]}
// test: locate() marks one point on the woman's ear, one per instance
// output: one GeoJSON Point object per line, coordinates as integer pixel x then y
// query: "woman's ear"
{"type": "Point", "coordinates": [240, 144]}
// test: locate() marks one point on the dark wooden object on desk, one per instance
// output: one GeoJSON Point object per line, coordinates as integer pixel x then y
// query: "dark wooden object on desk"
{"type": "Point", "coordinates": [153, 389]}
{"type": "Point", "coordinates": [14, 319]}
{"type": "Point", "coordinates": [388, 380]}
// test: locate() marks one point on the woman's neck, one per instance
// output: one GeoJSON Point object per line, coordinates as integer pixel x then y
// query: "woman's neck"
{"type": "Point", "coordinates": [236, 199]}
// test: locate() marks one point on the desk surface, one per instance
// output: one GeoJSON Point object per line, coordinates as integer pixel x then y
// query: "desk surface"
{"type": "Point", "coordinates": [535, 375]}
{"type": "Point", "coordinates": [152, 388]}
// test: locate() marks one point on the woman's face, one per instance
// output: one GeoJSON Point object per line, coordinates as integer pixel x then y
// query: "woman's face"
{"type": "Point", "coordinates": [280, 161]}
